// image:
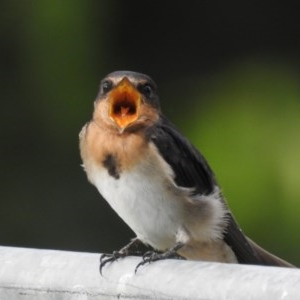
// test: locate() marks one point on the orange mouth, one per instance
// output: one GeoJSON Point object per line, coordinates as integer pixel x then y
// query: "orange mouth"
{"type": "Point", "coordinates": [124, 103]}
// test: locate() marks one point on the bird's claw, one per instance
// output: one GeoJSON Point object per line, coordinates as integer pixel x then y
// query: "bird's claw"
{"type": "Point", "coordinates": [148, 257]}
{"type": "Point", "coordinates": [106, 258]}
{"type": "Point", "coordinates": [151, 256]}
{"type": "Point", "coordinates": [130, 249]}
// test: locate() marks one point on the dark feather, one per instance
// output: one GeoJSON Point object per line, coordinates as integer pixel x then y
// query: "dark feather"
{"type": "Point", "coordinates": [246, 251]}
{"type": "Point", "coordinates": [191, 170]}
{"type": "Point", "coordinates": [189, 166]}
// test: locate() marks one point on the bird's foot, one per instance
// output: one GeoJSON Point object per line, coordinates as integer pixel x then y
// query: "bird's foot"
{"type": "Point", "coordinates": [106, 258]}
{"type": "Point", "coordinates": [130, 249]}
{"type": "Point", "coordinates": [151, 256]}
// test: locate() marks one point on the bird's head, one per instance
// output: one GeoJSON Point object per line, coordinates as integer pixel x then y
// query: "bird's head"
{"type": "Point", "coordinates": [127, 101]}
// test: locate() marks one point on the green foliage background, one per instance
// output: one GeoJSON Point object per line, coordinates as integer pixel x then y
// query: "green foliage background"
{"type": "Point", "coordinates": [228, 78]}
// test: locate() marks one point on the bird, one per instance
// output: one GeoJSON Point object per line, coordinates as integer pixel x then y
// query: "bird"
{"type": "Point", "coordinates": [157, 181]}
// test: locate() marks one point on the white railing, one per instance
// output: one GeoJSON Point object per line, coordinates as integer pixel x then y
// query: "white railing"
{"type": "Point", "coordinates": [49, 274]}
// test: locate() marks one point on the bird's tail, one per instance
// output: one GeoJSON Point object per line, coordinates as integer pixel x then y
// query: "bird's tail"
{"type": "Point", "coordinates": [267, 258]}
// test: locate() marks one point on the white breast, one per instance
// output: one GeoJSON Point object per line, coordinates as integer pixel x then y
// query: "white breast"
{"type": "Point", "coordinates": [146, 198]}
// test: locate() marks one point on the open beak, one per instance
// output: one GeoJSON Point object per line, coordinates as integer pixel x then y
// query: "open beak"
{"type": "Point", "coordinates": [124, 103]}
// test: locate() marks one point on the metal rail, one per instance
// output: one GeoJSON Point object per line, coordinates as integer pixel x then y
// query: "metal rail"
{"type": "Point", "coordinates": [49, 274]}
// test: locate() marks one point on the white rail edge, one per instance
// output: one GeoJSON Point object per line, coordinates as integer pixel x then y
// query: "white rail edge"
{"type": "Point", "coordinates": [51, 274]}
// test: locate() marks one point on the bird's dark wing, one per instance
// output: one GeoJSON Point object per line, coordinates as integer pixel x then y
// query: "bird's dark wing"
{"type": "Point", "coordinates": [189, 166]}
{"type": "Point", "coordinates": [267, 258]}
{"type": "Point", "coordinates": [191, 170]}
{"type": "Point", "coordinates": [246, 251]}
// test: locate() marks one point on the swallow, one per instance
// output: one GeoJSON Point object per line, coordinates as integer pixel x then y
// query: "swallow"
{"type": "Point", "coordinates": [157, 181]}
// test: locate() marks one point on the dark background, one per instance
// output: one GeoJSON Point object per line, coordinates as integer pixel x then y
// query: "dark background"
{"type": "Point", "coordinates": [228, 75]}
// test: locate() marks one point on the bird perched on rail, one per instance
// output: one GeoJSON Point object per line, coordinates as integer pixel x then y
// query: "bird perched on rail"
{"type": "Point", "coordinates": [157, 181]}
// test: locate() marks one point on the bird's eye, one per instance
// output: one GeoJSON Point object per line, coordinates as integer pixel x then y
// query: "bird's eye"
{"type": "Point", "coordinates": [147, 89]}
{"type": "Point", "coordinates": [106, 86]}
